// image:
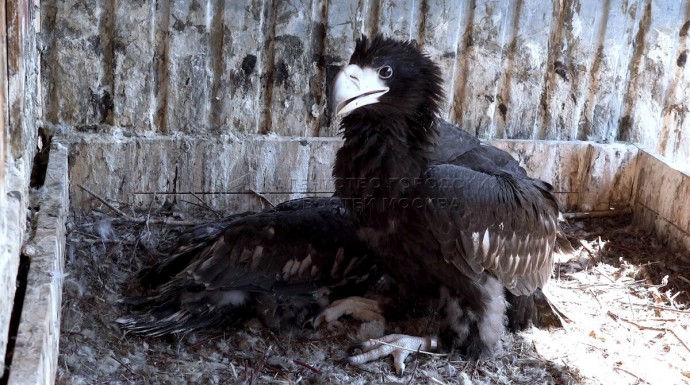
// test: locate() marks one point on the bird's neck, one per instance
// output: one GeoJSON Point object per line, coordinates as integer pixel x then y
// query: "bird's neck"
{"type": "Point", "coordinates": [381, 159]}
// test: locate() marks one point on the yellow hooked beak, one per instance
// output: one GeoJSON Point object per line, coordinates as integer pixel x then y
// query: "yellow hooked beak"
{"type": "Point", "coordinates": [355, 87]}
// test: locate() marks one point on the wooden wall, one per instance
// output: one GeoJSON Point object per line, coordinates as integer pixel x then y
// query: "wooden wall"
{"type": "Point", "coordinates": [19, 112]}
{"type": "Point", "coordinates": [598, 70]}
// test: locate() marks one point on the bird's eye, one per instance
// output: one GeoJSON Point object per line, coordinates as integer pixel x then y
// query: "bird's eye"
{"type": "Point", "coordinates": [385, 72]}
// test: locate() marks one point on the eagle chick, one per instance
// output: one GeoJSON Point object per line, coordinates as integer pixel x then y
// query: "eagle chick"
{"type": "Point", "coordinates": [447, 216]}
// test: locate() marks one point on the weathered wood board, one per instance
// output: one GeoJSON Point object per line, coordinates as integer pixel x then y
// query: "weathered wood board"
{"type": "Point", "coordinates": [661, 199]}
{"type": "Point", "coordinates": [223, 171]}
{"type": "Point", "coordinates": [35, 353]}
{"type": "Point", "coordinates": [588, 70]}
{"type": "Point", "coordinates": [19, 110]}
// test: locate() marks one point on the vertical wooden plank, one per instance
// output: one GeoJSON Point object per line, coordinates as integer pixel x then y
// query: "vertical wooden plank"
{"type": "Point", "coordinates": [609, 73]}
{"type": "Point", "coordinates": [460, 65]}
{"type": "Point", "coordinates": [214, 61]}
{"type": "Point", "coordinates": [503, 88]}
{"type": "Point", "coordinates": [132, 49]}
{"type": "Point", "coordinates": [521, 109]}
{"type": "Point", "coordinates": [487, 60]}
{"type": "Point", "coordinates": [346, 22]}
{"type": "Point", "coordinates": [188, 100]}
{"type": "Point", "coordinates": [160, 66]}
{"type": "Point", "coordinates": [102, 95]}
{"type": "Point", "coordinates": [601, 25]}
{"type": "Point", "coordinates": [319, 77]}
{"type": "Point", "coordinates": [649, 71]}
{"type": "Point", "coordinates": [237, 89]}
{"type": "Point", "coordinates": [8, 263]}
{"type": "Point", "coordinates": [674, 135]}
{"type": "Point", "coordinates": [4, 113]}
{"type": "Point", "coordinates": [568, 69]}
{"type": "Point", "coordinates": [73, 64]}
{"type": "Point", "coordinates": [17, 29]}
{"type": "Point", "coordinates": [439, 30]}
{"type": "Point", "coordinates": [398, 19]}
{"type": "Point", "coordinates": [290, 100]}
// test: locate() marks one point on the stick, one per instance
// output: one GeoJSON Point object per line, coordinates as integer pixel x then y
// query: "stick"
{"type": "Point", "coordinates": [630, 373]}
{"type": "Point", "coordinates": [683, 279]}
{"type": "Point", "coordinates": [260, 365]}
{"type": "Point", "coordinates": [123, 364]}
{"type": "Point", "coordinates": [203, 202]}
{"type": "Point", "coordinates": [211, 338]}
{"type": "Point", "coordinates": [163, 221]}
{"type": "Point", "coordinates": [416, 363]}
{"type": "Point", "coordinates": [102, 200]}
{"type": "Point", "coordinates": [605, 275]}
{"type": "Point", "coordinates": [598, 214]}
{"type": "Point", "coordinates": [663, 308]}
{"type": "Point", "coordinates": [304, 364]}
{"type": "Point", "coordinates": [653, 328]}
{"type": "Point", "coordinates": [262, 198]}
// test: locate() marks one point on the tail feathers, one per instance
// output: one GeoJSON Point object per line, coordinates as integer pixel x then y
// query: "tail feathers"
{"type": "Point", "coordinates": [172, 317]}
{"type": "Point", "coordinates": [536, 309]}
{"type": "Point", "coordinates": [531, 310]}
{"type": "Point", "coordinates": [147, 324]}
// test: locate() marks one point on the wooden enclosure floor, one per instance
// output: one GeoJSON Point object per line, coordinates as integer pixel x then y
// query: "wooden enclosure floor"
{"type": "Point", "coordinates": [625, 300]}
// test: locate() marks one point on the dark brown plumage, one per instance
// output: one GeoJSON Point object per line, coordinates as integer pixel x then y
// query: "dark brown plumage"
{"type": "Point", "coordinates": [282, 265]}
{"type": "Point", "coordinates": [447, 216]}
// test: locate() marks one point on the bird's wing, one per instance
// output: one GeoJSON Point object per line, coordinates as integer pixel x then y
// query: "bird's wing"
{"type": "Point", "coordinates": [184, 249]}
{"type": "Point", "coordinates": [292, 248]}
{"type": "Point", "coordinates": [280, 262]}
{"type": "Point", "coordinates": [486, 219]}
{"type": "Point", "coordinates": [456, 146]}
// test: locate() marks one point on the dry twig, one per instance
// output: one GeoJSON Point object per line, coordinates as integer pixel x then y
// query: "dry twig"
{"type": "Point", "coordinates": [123, 364]}
{"type": "Point", "coordinates": [666, 308]}
{"type": "Point", "coordinates": [262, 198]}
{"type": "Point", "coordinates": [203, 202]}
{"type": "Point", "coordinates": [306, 365]}
{"type": "Point", "coordinates": [630, 373]}
{"type": "Point", "coordinates": [598, 214]}
{"type": "Point", "coordinates": [437, 381]}
{"type": "Point", "coordinates": [210, 338]}
{"type": "Point", "coordinates": [102, 200]}
{"type": "Point", "coordinates": [653, 328]}
{"type": "Point", "coordinates": [416, 365]}
{"type": "Point", "coordinates": [162, 221]}
{"type": "Point", "coordinates": [260, 365]}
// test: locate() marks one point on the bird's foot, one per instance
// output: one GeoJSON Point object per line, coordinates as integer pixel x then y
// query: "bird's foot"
{"type": "Point", "coordinates": [360, 308]}
{"type": "Point", "coordinates": [397, 345]}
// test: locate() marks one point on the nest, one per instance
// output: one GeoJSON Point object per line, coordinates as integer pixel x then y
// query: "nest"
{"type": "Point", "coordinates": [623, 301]}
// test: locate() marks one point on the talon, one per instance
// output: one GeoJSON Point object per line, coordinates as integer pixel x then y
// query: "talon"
{"type": "Point", "coordinates": [360, 308]}
{"type": "Point", "coordinates": [399, 346]}
{"type": "Point", "coordinates": [399, 357]}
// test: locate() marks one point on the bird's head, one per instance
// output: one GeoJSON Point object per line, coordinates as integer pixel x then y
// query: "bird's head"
{"type": "Point", "coordinates": [388, 77]}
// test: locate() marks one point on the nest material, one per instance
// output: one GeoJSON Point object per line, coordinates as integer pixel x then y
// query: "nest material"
{"type": "Point", "coordinates": [623, 299]}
